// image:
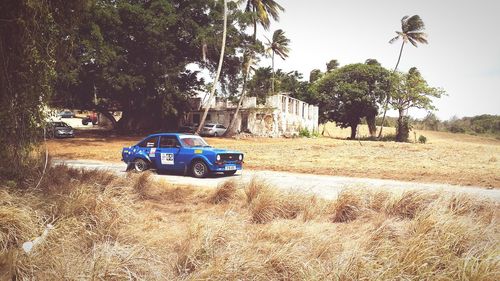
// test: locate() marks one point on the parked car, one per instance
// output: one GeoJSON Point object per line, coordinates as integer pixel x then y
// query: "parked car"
{"type": "Point", "coordinates": [59, 129]}
{"type": "Point", "coordinates": [66, 114]}
{"type": "Point", "coordinates": [90, 118]}
{"type": "Point", "coordinates": [213, 130]}
{"type": "Point", "coordinates": [185, 153]}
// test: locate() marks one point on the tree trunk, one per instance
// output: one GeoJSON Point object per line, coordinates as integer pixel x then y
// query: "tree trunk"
{"type": "Point", "coordinates": [353, 131]}
{"type": "Point", "coordinates": [230, 130]}
{"type": "Point", "coordinates": [403, 129]}
{"type": "Point", "coordinates": [372, 127]}
{"type": "Point", "coordinates": [272, 82]}
{"type": "Point", "coordinates": [219, 68]}
{"type": "Point", "coordinates": [388, 96]}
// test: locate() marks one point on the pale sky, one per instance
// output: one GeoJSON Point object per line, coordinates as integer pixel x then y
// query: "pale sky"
{"type": "Point", "coordinates": [462, 57]}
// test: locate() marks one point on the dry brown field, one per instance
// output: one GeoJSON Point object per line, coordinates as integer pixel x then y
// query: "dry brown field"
{"type": "Point", "coordinates": [134, 228]}
{"type": "Point", "coordinates": [445, 158]}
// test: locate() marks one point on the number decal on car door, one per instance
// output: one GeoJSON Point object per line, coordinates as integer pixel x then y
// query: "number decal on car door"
{"type": "Point", "coordinates": [167, 158]}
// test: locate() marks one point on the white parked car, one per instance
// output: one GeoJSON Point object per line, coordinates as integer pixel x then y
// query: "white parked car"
{"type": "Point", "coordinates": [213, 130]}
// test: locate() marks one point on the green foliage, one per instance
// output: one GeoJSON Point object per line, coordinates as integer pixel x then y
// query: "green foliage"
{"type": "Point", "coordinates": [422, 139]}
{"type": "Point", "coordinates": [410, 90]}
{"type": "Point", "coordinates": [314, 75]}
{"type": "Point", "coordinates": [332, 65]}
{"type": "Point", "coordinates": [304, 133]}
{"type": "Point", "coordinates": [27, 48]}
{"type": "Point", "coordinates": [350, 93]}
{"type": "Point", "coordinates": [133, 56]}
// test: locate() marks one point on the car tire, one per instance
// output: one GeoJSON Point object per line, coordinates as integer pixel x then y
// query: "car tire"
{"type": "Point", "coordinates": [199, 169]}
{"type": "Point", "coordinates": [85, 122]}
{"type": "Point", "coordinates": [229, 173]}
{"type": "Point", "coordinates": [215, 135]}
{"type": "Point", "coordinates": [140, 165]}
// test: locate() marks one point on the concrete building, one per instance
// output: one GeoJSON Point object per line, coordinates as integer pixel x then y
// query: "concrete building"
{"type": "Point", "coordinates": [280, 115]}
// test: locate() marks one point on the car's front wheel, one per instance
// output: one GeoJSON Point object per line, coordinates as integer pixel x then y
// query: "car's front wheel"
{"type": "Point", "coordinates": [140, 165]}
{"type": "Point", "coordinates": [199, 169]}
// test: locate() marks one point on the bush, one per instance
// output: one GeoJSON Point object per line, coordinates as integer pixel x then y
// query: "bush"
{"type": "Point", "coordinates": [422, 139]}
{"type": "Point", "coordinates": [304, 133]}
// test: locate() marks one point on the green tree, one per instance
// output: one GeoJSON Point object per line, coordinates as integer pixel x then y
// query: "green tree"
{"type": "Point", "coordinates": [412, 30]}
{"type": "Point", "coordinates": [431, 122]}
{"type": "Point", "coordinates": [314, 75]}
{"type": "Point", "coordinates": [350, 93]}
{"type": "Point", "coordinates": [372, 62]}
{"type": "Point", "coordinates": [410, 90]}
{"type": "Point", "coordinates": [31, 34]}
{"type": "Point", "coordinates": [261, 12]}
{"type": "Point", "coordinates": [332, 65]}
{"type": "Point", "coordinates": [278, 45]}
{"type": "Point", "coordinates": [260, 84]}
{"type": "Point", "coordinates": [219, 68]}
{"type": "Point", "coordinates": [132, 56]}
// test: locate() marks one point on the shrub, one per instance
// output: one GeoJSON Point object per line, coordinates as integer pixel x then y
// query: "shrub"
{"type": "Point", "coordinates": [224, 192]}
{"type": "Point", "coordinates": [304, 133]}
{"type": "Point", "coordinates": [422, 139]}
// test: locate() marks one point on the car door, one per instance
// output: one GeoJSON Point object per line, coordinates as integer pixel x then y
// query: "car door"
{"type": "Point", "coordinates": [148, 147]}
{"type": "Point", "coordinates": [167, 154]}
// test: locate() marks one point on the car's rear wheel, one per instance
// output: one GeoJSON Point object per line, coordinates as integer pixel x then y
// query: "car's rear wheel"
{"type": "Point", "coordinates": [229, 173]}
{"type": "Point", "coordinates": [199, 169]}
{"type": "Point", "coordinates": [140, 165]}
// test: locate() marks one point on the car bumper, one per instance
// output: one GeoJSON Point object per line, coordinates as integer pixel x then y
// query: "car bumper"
{"type": "Point", "coordinates": [64, 135]}
{"type": "Point", "coordinates": [227, 167]}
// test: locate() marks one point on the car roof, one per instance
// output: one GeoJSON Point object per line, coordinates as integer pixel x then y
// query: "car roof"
{"type": "Point", "coordinates": [168, 134]}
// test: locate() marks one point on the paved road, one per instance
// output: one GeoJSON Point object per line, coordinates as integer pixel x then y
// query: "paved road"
{"type": "Point", "coordinates": [323, 186]}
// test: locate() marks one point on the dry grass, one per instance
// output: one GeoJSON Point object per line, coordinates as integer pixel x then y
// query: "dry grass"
{"type": "Point", "coordinates": [446, 158]}
{"type": "Point", "coordinates": [108, 228]}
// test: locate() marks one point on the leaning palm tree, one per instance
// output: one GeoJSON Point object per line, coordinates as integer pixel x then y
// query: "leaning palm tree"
{"type": "Point", "coordinates": [279, 45]}
{"type": "Point", "coordinates": [262, 11]}
{"type": "Point", "coordinates": [219, 68]}
{"type": "Point", "coordinates": [412, 30]}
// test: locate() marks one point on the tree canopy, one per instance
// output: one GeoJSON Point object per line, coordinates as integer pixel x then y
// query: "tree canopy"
{"type": "Point", "coordinates": [133, 56]}
{"type": "Point", "coordinates": [350, 93]}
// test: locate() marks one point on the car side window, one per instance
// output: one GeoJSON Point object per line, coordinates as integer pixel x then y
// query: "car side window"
{"type": "Point", "coordinates": [169, 141]}
{"type": "Point", "coordinates": [220, 127]}
{"type": "Point", "coordinates": [150, 142]}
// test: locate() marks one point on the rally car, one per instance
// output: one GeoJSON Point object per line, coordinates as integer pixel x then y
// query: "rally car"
{"type": "Point", "coordinates": [185, 153]}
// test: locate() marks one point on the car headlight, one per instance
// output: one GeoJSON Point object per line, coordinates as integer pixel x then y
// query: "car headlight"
{"type": "Point", "coordinates": [218, 158]}
{"type": "Point", "coordinates": [240, 157]}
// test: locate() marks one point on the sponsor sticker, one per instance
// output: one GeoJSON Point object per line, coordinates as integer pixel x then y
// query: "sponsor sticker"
{"type": "Point", "coordinates": [152, 152]}
{"type": "Point", "coordinates": [198, 151]}
{"type": "Point", "coordinates": [167, 158]}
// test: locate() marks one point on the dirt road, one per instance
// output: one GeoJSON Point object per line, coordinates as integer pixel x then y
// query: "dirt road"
{"type": "Point", "coordinates": [323, 186]}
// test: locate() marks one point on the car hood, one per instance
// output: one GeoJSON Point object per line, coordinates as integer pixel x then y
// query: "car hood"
{"type": "Point", "coordinates": [64, 128]}
{"type": "Point", "coordinates": [218, 150]}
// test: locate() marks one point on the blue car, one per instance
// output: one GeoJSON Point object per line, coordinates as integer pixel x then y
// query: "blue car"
{"type": "Point", "coordinates": [185, 153]}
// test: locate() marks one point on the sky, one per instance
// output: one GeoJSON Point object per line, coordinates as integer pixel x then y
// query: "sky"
{"type": "Point", "coordinates": [462, 57]}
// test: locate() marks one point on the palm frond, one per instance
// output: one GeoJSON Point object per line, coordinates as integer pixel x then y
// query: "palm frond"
{"type": "Point", "coordinates": [394, 39]}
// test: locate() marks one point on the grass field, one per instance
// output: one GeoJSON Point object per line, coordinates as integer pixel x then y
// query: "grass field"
{"type": "Point", "coordinates": [133, 228]}
{"type": "Point", "coordinates": [445, 158]}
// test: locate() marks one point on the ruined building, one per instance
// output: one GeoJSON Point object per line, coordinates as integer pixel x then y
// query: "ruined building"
{"type": "Point", "coordinates": [281, 115]}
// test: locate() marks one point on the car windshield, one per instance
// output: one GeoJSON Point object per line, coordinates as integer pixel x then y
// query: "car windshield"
{"type": "Point", "coordinates": [193, 141]}
{"type": "Point", "coordinates": [59, 124]}
{"type": "Point", "coordinates": [209, 125]}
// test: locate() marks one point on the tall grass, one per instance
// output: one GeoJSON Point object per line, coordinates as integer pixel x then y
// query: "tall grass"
{"type": "Point", "coordinates": [122, 228]}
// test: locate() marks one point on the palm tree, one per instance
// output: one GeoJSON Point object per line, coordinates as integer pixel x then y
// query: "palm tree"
{"type": "Point", "coordinates": [219, 68]}
{"type": "Point", "coordinates": [279, 45]}
{"type": "Point", "coordinates": [412, 30]}
{"type": "Point", "coordinates": [262, 11]}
